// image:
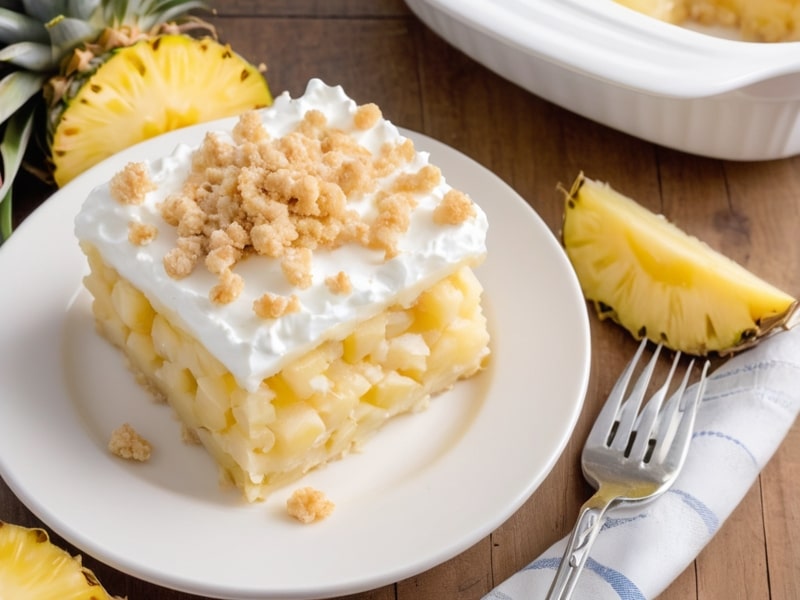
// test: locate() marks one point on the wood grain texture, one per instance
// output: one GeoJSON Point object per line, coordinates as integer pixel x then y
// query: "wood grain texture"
{"type": "Point", "coordinates": [381, 53]}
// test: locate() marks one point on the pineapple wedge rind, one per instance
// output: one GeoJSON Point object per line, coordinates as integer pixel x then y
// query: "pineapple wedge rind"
{"type": "Point", "coordinates": [31, 566]}
{"type": "Point", "coordinates": [649, 276]}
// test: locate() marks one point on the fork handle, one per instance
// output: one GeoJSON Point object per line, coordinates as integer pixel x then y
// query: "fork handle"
{"type": "Point", "coordinates": [590, 520]}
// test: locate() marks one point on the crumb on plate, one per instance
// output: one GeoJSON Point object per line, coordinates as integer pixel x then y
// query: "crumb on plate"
{"type": "Point", "coordinates": [307, 505]}
{"type": "Point", "coordinates": [126, 443]}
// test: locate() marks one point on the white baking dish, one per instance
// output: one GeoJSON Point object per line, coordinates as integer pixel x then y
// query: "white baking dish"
{"type": "Point", "coordinates": [677, 87]}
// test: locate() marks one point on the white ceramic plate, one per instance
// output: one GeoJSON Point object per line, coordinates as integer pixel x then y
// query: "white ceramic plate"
{"type": "Point", "coordinates": [425, 489]}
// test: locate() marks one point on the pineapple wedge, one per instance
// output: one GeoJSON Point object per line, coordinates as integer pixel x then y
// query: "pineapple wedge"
{"type": "Point", "coordinates": [31, 566]}
{"type": "Point", "coordinates": [156, 85]}
{"type": "Point", "coordinates": [658, 282]}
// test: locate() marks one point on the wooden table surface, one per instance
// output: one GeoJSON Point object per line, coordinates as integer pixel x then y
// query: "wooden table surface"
{"type": "Point", "coordinates": [381, 53]}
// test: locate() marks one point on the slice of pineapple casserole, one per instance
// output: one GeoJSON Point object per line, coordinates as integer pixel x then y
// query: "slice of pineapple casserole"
{"type": "Point", "coordinates": [291, 284]}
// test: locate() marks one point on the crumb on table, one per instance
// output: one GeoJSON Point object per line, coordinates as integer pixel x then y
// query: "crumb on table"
{"type": "Point", "coordinates": [308, 505]}
{"type": "Point", "coordinates": [126, 443]}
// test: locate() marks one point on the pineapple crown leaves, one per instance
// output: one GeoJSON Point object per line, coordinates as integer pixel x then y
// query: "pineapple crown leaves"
{"type": "Point", "coordinates": [43, 40]}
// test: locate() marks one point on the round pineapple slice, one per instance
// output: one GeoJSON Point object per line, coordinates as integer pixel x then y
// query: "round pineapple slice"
{"type": "Point", "coordinates": [151, 87]}
{"type": "Point", "coordinates": [656, 281]}
{"type": "Point", "coordinates": [31, 566]}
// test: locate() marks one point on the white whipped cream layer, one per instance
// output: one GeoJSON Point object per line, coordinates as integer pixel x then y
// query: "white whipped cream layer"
{"type": "Point", "coordinates": [250, 347]}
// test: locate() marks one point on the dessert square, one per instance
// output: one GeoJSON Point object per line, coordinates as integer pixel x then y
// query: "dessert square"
{"type": "Point", "coordinates": [289, 285]}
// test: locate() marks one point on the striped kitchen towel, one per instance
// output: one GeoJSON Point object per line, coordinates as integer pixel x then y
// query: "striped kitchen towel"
{"type": "Point", "coordinates": [750, 403]}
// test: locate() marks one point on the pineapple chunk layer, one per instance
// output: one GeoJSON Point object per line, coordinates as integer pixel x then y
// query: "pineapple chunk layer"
{"type": "Point", "coordinates": [319, 406]}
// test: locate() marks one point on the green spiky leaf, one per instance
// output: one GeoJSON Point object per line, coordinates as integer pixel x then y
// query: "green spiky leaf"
{"type": "Point", "coordinates": [6, 217]}
{"type": "Point", "coordinates": [166, 10]}
{"type": "Point", "coordinates": [82, 9]}
{"type": "Point", "coordinates": [12, 148]}
{"type": "Point", "coordinates": [44, 10]}
{"type": "Point", "coordinates": [66, 33]}
{"type": "Point", "coordinates": [16, 89]}
{"type": "Point", "coordinates": [29, 55]}
{"type": "Point", "coordinates": [16, 27]}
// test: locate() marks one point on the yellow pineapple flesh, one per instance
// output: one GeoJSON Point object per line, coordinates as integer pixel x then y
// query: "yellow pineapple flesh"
{"type": "Point", "coordinates": [656, 281]}
{"type": "Point", "coordinates": [32, 567]}
{"type": "Point", "coordinates": [151, 87]}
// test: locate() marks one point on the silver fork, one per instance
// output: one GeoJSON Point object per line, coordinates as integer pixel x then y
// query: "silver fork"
{"type": "Point", "coordinates": [630, 456]}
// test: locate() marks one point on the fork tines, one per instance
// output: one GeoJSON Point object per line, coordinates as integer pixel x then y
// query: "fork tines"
{"type": "Point", "coordinates": [637, 431]}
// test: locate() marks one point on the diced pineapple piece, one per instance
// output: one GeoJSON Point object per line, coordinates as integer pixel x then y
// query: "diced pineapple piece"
{"type": "Point", "coordinates": [212, 401]}
{"type": "Point", "coordinates": [208, 364]}
{"type": "Point", "coordinates": [132, 307]}
{"type": "Point", "coordinates": [337, 404]}
{"type": "Point", "coordinates": [251, 454]}
{"type": "Point", "coordinates": [297, 428]}
{"type": "Point", "coordinates": [100, 289]}
{"type": "Point", "coordinates": [114, 329]}
{"type": "Point", "coordinates": [437, 306]}
{"type": "Point", "coordinates": [166, 340]}
{"type": "Point", "coordinates": [300, 375]}
{"type": "Point", "coordinates": [398, 322]}
{"type": "Point", "coordinates": [198, 360]}
{"type": "Point", "coordinates": [284, 394]}
{"type": "Point", "coordinates": [458, 347]}
{"type": "Point", "coordinates": [365, 339]}
{"type": "Point", "coordinates": [182, 387]}
{"type": "Point", "coordinates": [407, 354]}
{"type": "Point", "coordinates": [253, 410]}
{"type": "Point", "coordinates": [139, 347]}
{"type": "Point", "coordinates": [394, 392]}
{"type": "Point", "coordinates": [469, 285]}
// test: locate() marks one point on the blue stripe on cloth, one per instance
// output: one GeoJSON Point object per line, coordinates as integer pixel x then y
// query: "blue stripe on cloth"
{"type": "Point", "coordinates": [729, 438]}
{"type": "Point", "coordinates": [624, 587]}
{"type": "Point", "coordinates": [710, 520]}
{"type": "Point", "coordinates": [612, 522]}
{"type": "Point", "coordinates": [756, 366]}
{"type": "Point", "coordinates": [778, 397]}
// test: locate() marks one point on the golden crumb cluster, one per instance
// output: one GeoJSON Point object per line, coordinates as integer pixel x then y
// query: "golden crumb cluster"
{"type": "Point", "coordinates": [307, 505]}
{"type": "Point", "coordinates": [130, 186]}
{"type": "Point", "coordinates": [284, 198]}
{"type": "Point", "coordinates": [140, 234]}
{"type": "Point", "coordinates": [126, 443]}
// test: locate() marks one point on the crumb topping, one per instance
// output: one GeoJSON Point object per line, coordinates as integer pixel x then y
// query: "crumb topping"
{"type": "Point", "coordinates": [141, 234]}
{"type": "Point", "coordinates": [455, 208]}
{"type": "Point", "coordinates": [131, 184]}
{"type": "Point", "coordinates": [296, 266]}
{"type": "Point", "coordinates": [339, 283]}
{"type": "Point", "coordinates": [272, 306]}
{"type": "Point", "coordinates": [126, 443]}
{"type": "Point", "coordinates": [308, 505]}
{"type": "Point", "coordinates": [367, 116]}
{"type": "Point", "coordinates": [286, 198]}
